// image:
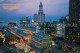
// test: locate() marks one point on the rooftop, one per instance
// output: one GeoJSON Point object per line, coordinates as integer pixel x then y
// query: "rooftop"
{"type": "Point", "coordinates": [22, 33]}
{"type": "Point", "coordinates": [7, 33]}
{"type": "Point", "coordinates": [33, 29]}
{"type": "Point", "coordinates": [39, 35]}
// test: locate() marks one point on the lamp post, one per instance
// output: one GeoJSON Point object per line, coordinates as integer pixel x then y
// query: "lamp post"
{"type": "Point", "coordinates": [5, 30]}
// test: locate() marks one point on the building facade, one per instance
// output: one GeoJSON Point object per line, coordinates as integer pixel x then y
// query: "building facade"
{"type": "Point", "coordinates": [60, 31]}
{"type": "Point", "coordinates": [25, 21]}
{"type": "Point", "coordinates": [74, 21]}
{"type": "Point", "coordinates": [40, 17]}
{"type": "Point", "coordinates": [41, 40]}
{"type": "Point", "coordinates": [12, 24]}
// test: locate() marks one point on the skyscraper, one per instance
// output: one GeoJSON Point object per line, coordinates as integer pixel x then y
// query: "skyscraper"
{"type": "Point", "coordinates": [25, 21]}
{"type": "Point", "coordinates": [40, 17]}
{"type": "Point", "coordinates": [74, 21]}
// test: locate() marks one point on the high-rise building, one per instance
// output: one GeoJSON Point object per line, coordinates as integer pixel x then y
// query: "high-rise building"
{"type": "Point", "coordinates": [35, 17]}
{"type": "Point", "coordinates": [74, 21]}
{"type": "Point", "coordinates": [25, 21]}
{"type": "Point", "coordinates": [40, 17]}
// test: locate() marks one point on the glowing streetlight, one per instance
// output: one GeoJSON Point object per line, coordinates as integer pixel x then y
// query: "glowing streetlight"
{"type": "Point", "coordinates": [32, 21]}
{"type": "Point", "coordinates": [5, 30]}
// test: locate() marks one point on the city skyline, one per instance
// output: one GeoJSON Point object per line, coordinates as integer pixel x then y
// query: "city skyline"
{"type": "Point", "coordinates": [53, 9]}
{"type": "Point", "coordinates": [40, 26]}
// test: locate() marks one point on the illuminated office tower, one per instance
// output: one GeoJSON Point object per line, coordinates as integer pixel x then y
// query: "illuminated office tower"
{"type": "Point", "coordinates": [74, 20]}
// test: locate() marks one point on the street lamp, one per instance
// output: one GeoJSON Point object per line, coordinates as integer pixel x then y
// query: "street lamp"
{"type": "Point", "coordinates": [5, 30]}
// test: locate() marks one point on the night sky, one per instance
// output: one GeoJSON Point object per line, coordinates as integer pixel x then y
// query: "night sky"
{"type": "Point", "coordinates": [53, 9]}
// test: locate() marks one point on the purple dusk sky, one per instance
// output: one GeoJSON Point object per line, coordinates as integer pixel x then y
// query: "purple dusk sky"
{"type": "Point", "coordinates": [30, 7]}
